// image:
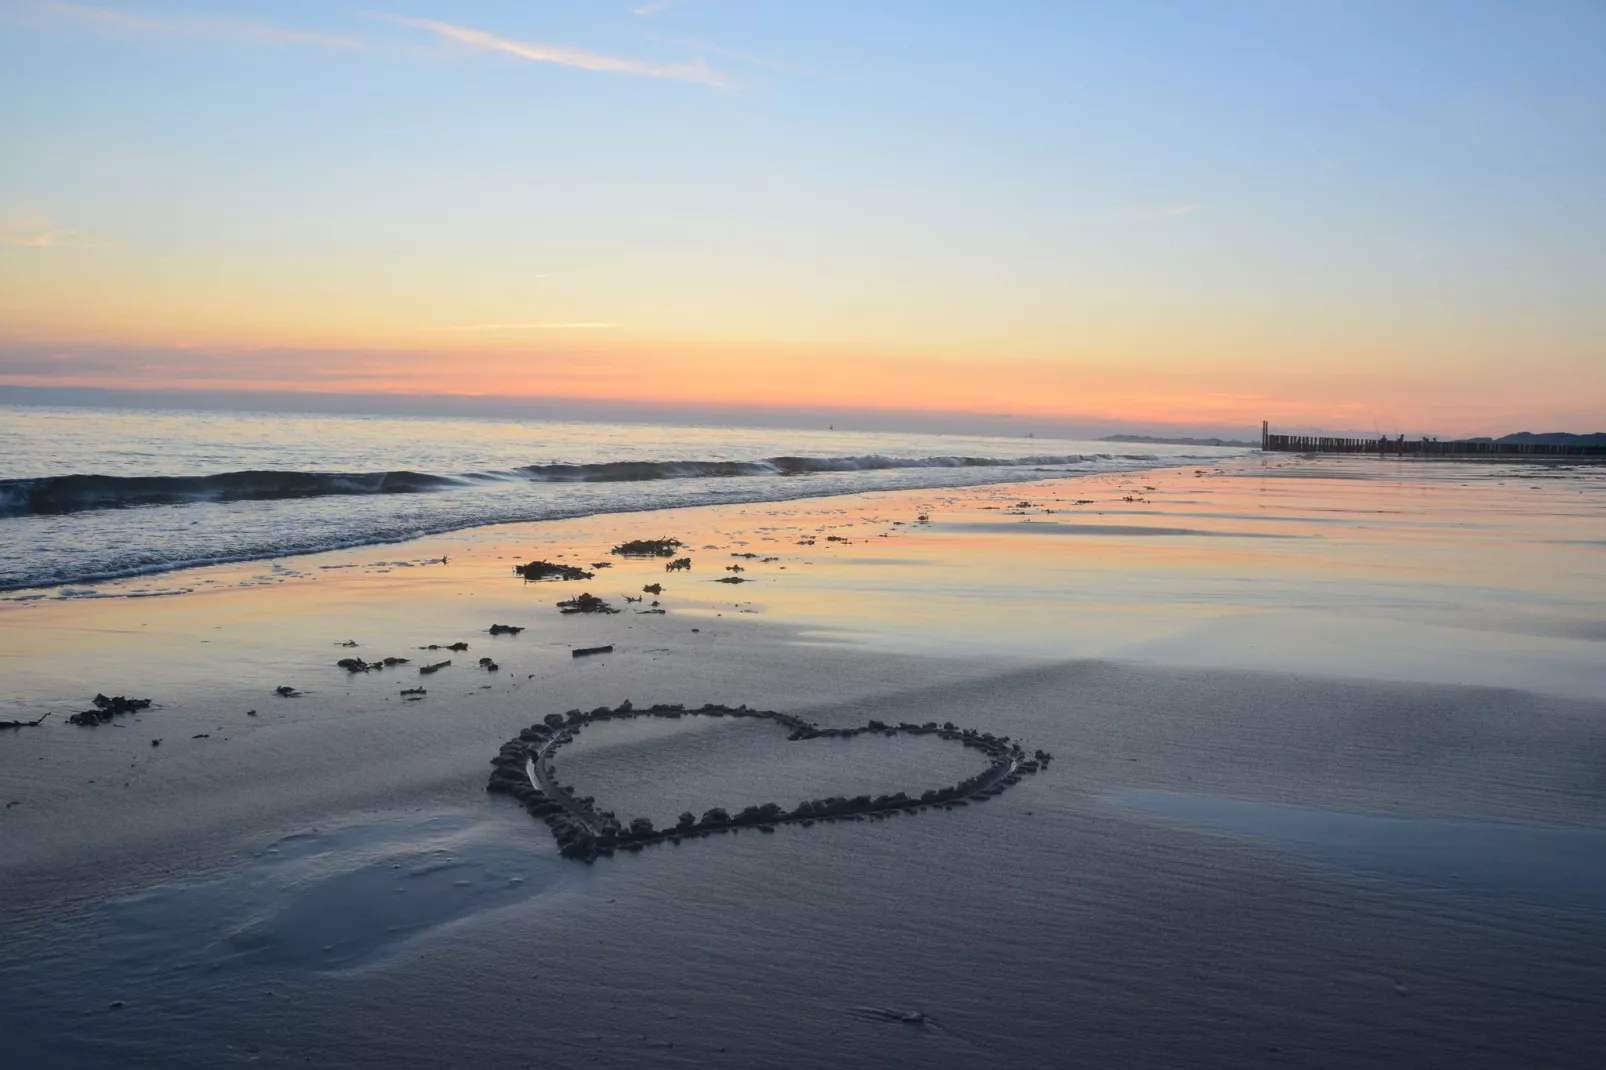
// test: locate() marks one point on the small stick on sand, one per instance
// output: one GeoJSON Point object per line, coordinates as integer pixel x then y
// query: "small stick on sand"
{"type": "Point", "coordinates": [23, 724]}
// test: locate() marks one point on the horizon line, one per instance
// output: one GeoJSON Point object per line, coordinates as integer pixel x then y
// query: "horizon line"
{"type": "Point", "coordinates": [367, 403]}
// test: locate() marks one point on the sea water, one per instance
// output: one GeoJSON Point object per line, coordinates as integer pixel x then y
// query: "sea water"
{"type": "Point", "coordinates": [94, 494]}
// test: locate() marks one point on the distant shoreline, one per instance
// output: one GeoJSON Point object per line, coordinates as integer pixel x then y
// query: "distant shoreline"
{"type": "Point", "coordinates": [1160, 440]}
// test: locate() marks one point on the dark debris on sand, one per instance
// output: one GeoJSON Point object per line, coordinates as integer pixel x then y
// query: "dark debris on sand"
{"type": "Point", "coordinates": [24, 724]}
{"type": "Point", "coordinates": [547, 570]}
{"type": "Point", "coordinates": [356, 665]}
{"type": "Point", "coordinates": [648, 548]}
{"type": "Point", "coordinates": [585, 603]}
{"type": "Point", "coordinates": [107, 708]}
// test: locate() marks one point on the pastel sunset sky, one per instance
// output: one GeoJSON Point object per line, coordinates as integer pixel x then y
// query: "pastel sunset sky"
{"type": "Point", "coordinates": [1331, 213]}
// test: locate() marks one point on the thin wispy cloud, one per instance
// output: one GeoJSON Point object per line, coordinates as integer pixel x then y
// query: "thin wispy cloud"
{"type": "Point", "coordinates": [113, 20]}
{"type": "Point", "coordinates": [648, 10]}
{"type": "Point", "coordinates": [698, 71]}
{"type": "Point", "coordinates": [580, 325]}
{"type": "Point", "coordinates": [37, 232]}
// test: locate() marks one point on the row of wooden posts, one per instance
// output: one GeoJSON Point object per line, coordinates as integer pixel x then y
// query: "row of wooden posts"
{"type": "Point", "coordinates": [1430, 447]}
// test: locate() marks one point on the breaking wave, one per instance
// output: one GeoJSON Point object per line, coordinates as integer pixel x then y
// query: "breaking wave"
{"type": "Point", "coordinates": [81, 493]}
{"type": "Point", "coordinates": [77, 493]}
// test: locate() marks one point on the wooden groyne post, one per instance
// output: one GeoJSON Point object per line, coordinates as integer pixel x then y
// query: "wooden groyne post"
{"type": "Point", "coordinates": [1400, 446]}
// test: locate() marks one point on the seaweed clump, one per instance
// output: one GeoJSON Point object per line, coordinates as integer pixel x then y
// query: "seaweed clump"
{"type": "Point", "coordinates": [585, 603]}
{"type": "Point", "coordinates": [547, 570]}
{"type": "Point", "coordinates": [356, 665]}
{"type": "Point", "coordinates": [107, 708]}
{"type": "Point", "coordinates": [648, 548]}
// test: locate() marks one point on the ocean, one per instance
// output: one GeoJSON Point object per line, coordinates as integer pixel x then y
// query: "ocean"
{"type": "Point", "coordinates": [94, 494]}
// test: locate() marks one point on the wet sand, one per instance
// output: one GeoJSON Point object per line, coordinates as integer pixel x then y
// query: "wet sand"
{"type": "Point", "coordinates": [1309, 718]}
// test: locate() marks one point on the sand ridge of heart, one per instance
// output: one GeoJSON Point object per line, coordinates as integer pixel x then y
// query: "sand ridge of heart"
{"type": "Point", "coordinates": [523, 769]}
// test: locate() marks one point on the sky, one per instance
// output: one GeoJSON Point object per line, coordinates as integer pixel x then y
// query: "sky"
{"type": "Point", "coordinates": [1371, 216]}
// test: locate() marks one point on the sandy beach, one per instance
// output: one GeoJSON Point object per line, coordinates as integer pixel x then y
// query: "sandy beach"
{"type": "Point", "coordinates": [1329, 789]}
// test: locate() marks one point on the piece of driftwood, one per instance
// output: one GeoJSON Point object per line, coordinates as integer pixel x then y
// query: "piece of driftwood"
{"type": "Point", "coordinates": [24, 724]}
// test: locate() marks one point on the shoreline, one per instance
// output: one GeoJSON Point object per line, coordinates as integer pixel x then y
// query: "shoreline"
{"type": "Point", "coordinates": [857, 529]}
{"type": "Point", "coordinates": [714, 494]}
{"type": "Point", "coordinates": [112, 585]}
{"type": "Point", "coordinates": [96, 587]}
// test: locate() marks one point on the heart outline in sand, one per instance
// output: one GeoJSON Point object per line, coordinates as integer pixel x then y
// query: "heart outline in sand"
{"type": "Point", "coordinates": [523, 769]}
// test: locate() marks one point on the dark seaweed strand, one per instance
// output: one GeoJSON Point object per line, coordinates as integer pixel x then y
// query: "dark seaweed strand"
{"type": "Point", "coordinates": [523, 769]}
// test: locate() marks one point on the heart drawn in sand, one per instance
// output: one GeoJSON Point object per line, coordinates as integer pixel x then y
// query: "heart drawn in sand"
{"type": "Point", "coordinates": [523, 769]}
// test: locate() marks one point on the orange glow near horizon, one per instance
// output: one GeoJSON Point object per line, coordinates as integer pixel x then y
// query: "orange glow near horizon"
{"type": "Point", "coordinates": [753, 378]}
{"type": "Point", "coordinates": [112, 318]}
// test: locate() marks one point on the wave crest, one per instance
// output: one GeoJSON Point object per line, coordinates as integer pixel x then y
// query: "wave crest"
{"type": "Point", "coordinates": [634, 471]}
{"type": "Point", "coordinates": [76, 493]}
{"type": "Point", "coordinates": [79, 493]}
